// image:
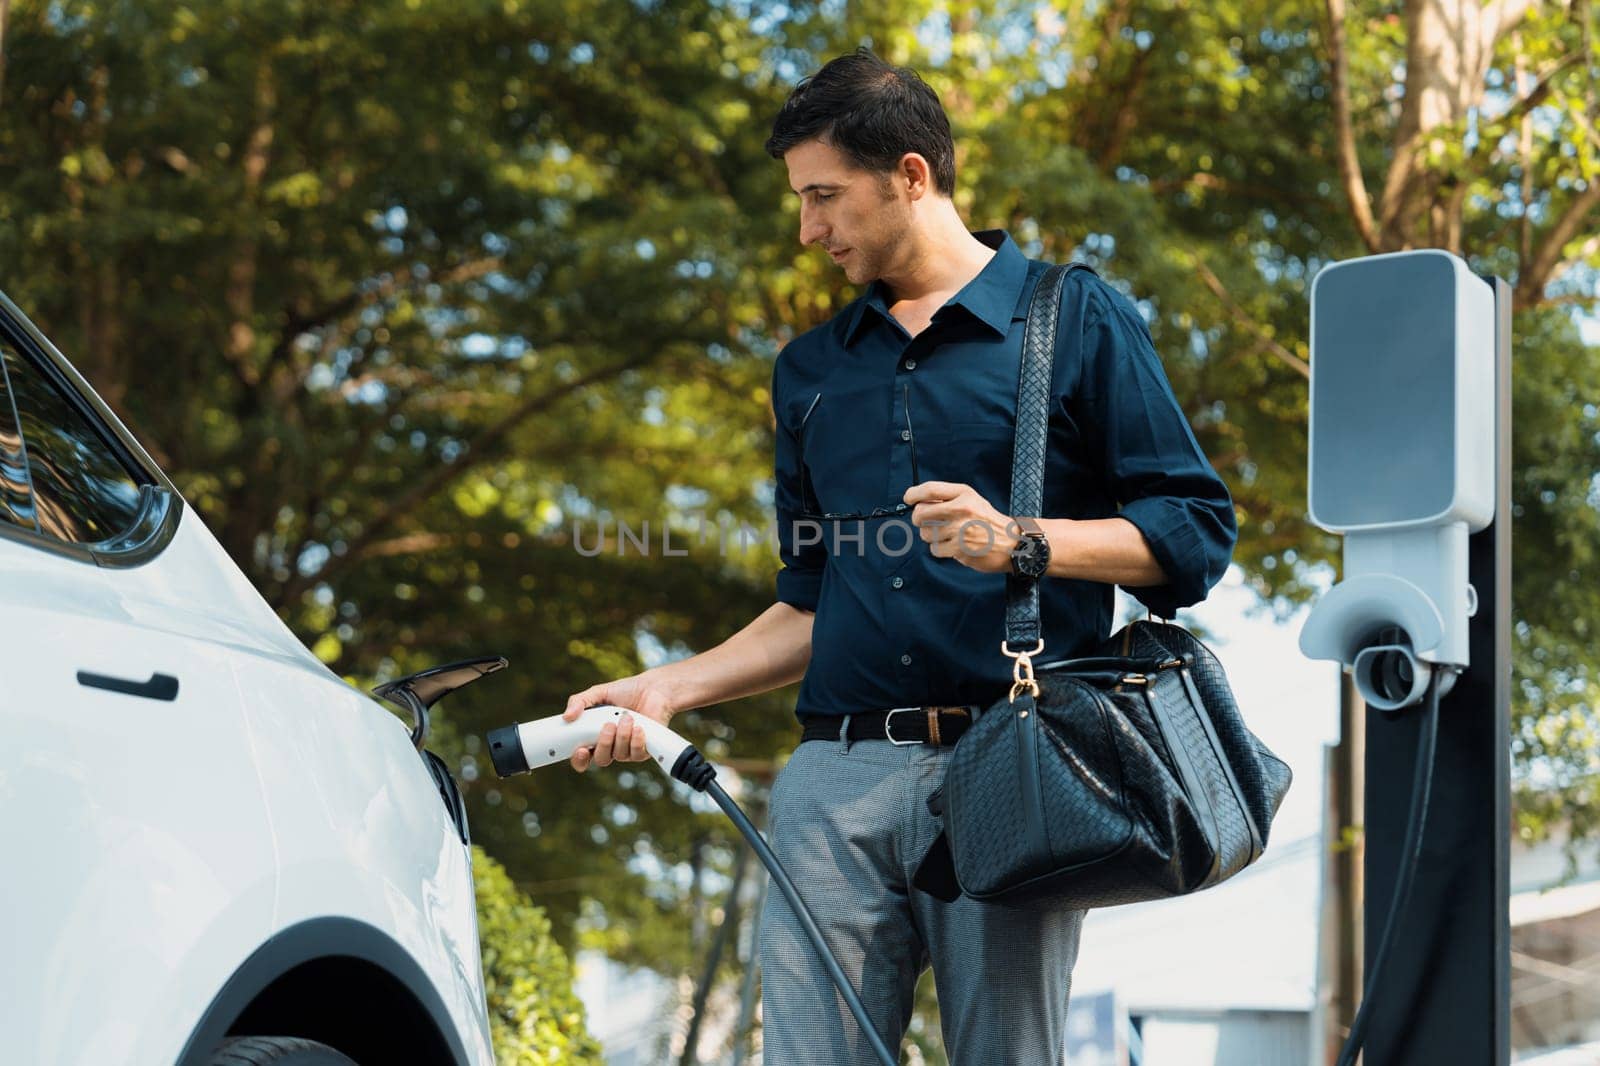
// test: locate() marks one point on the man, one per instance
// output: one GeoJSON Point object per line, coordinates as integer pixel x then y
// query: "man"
{"type": "Point", "coordinates": [893, 461]}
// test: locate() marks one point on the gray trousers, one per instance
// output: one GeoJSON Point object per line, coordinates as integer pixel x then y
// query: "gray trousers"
{"type": "Point", "coordinates": [849, 822]}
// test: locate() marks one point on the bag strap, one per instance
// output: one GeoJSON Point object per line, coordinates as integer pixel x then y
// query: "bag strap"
{"type": "Point", "coordinates": [936, 873]}
{"type": "Point", "coordinates": [1024, 635]}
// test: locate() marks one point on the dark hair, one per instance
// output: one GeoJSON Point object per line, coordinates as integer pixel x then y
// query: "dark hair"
{"type": "Point", "coordinates": [872, 112]}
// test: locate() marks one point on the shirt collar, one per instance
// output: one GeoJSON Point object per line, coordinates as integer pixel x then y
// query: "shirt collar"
{"type": "Point", "coordinates": [992, 297]}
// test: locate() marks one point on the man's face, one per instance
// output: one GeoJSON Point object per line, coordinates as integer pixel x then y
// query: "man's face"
{"type": "Point", "coordinates": [855, 215]}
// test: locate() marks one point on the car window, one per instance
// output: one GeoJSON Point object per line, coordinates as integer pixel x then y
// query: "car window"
{"type": "Point", "coordinates": [16, 497]}
{"type": "Point", "coordinates": [81, 491]}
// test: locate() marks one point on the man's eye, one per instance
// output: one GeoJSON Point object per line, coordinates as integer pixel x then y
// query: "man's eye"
{"type": "Point", "coordinates": [824, 197]}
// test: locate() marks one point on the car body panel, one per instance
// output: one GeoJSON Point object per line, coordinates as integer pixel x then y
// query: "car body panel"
{"type": "Point", "coordinates": [134, 829]}
{"type": "Point", "coordinates": [345, 783]}
{"type": "Point", "coordinates": [153, 846]}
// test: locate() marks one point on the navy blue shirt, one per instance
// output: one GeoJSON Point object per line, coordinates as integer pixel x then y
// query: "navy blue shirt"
{"type": "Point", "coordinates": [864, 410]}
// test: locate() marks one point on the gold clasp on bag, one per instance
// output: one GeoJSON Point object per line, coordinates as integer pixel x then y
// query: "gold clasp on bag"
{"type": "Point", "coordinates": [1144, 679]}
{"type": "Point", "coordinates": [1022, 669]}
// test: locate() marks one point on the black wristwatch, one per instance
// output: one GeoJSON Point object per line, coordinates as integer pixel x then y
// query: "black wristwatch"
{"type": "Point", "coordinates": [1030, 557]}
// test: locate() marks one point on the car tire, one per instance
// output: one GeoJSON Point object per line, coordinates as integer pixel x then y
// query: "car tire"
{"type": "Point", "coordinates": [277, 1051]}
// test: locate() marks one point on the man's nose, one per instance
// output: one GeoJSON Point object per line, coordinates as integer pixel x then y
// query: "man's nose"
{"type": "Point", "coordinates": [811, 230]}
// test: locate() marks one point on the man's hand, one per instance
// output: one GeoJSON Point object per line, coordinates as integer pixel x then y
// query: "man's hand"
{"type": "Point", "coordinates": [619, 741]}
{"type": "Point", "coordinates": [959, 524]}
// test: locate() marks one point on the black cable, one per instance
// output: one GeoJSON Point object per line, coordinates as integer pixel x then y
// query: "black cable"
{"type": "Point", "coordinates": [1421, 787]}
{"type": "Point", "coordinates": [786, 886]}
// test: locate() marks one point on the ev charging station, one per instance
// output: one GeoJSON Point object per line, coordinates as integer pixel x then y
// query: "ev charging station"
{"type": "Point", "coordinates": [1410, 461]}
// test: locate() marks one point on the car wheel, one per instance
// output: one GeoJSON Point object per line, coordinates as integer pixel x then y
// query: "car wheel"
{"type": "Point", "coordinates": [277, 1051]}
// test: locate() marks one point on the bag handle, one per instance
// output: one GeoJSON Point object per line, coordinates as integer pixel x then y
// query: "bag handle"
{"type": "Point", "coordinates": [1024, 635]}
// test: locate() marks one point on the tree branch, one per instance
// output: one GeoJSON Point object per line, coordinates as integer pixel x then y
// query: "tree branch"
{"type": "Point", "coordinates": [1243, 317]}
{"type": "Point", "coordinates": [476, 451]}
{"type": "Point", "coordinates": [1355, 186]}
{"type": "Point", "coordinates": [1085, 73]}
{"type": "Point", "coordinates": [1547, 258]}
{"type": "Point", "coordinates": [1573, 299]}
{"type": "Point", "coordinates": [1127, 116]}
{"type": "Point", "coordinates": [239, 294]}
{"type": "Point", "coordinates": [1508, 14]}
{"type": "Point", "coordinates": [410, 544]}
{"type": "Point", "coordinates": [1449, 46]}
{"type": "Point", "coordinates": [5, 17]}
{"type": "Point", "coordinates": [367, 294]}
{"type": "Point", "coordinates": [1206, 180]}
{"type": "Point", "coordinates": [1519, 110]}
{"type": "Point", "coordinates": [1541, 89]}
{"type": "Point", "coordinates": [1580, 12]}
{"type": "Point", "coordinates": [1115, 17]}
{"type": "Point", "coordinates": [1525, 158]}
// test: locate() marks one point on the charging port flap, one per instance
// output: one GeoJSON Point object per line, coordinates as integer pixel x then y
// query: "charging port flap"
{"type": "Point", "coordinates": [417, 692]}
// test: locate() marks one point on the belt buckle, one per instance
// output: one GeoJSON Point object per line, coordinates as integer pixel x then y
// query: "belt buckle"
{"type": "Point", "coordinates": [888, 733]}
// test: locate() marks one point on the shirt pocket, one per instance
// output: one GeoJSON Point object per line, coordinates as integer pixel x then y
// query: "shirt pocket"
{"type": "Point", "coordinates": [971, 453]}
{"type": "Point", "coordinates": [845, 448]}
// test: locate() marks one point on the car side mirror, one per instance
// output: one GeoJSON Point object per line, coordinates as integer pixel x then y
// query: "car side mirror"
{"type": "Point", "coordinates": [417, 692]}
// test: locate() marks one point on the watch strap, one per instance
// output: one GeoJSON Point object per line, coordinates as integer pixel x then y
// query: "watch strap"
{"type": "Point", "coordinates": [1029, 527]}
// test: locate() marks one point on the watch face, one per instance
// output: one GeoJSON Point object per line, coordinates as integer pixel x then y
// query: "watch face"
{"type": "Point", "coordinates": [1031, 558]}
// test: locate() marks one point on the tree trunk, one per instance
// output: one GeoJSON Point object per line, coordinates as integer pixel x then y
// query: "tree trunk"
{"type": "Point", "coordinates": [719, 944]}
{"type": "Point", "coordinates": [5, 17]}
{"type": "Point", "coordinates": [1449, 44]}
{"type": "Point", "coordinates": [1448, 50]}
{"type": "Point", "coordinates": [246, 508]}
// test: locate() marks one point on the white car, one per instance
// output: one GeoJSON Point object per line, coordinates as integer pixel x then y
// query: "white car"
{"type": "Point", "coordinates": [212, 850]}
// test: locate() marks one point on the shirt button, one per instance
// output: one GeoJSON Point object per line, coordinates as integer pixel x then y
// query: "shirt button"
{"type": "Point", "coordinates": [905, 660]}
{"type": "Point", "coordinates": [910, 364]}
{"type": "Point", "coordinates": [897, 582]}
{"type": "Point", "coordinates": [905, 434]}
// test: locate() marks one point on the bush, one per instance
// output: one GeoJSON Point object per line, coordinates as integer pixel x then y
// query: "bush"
{"type": "Point", "coordinates": [535, 1017]}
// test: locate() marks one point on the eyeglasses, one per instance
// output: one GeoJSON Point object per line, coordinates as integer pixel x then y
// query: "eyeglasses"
{"type": "Point", "coordinates": [811, 509]}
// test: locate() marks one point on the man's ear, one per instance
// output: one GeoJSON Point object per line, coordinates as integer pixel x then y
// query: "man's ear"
{"type": "Point", "coordinates": [914, 175]}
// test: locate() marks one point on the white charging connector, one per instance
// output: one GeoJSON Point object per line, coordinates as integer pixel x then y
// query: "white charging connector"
{"type": "Point", "coordinates": [527, 746]}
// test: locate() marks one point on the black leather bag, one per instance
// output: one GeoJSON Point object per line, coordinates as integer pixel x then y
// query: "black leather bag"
{"type": "Point", "coordinates": [1128, 775]}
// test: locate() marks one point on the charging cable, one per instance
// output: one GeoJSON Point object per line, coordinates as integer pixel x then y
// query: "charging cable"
{"type": "Point", "coordinates": [694, 771]}
{"type": "Point", "coordinates": [1411, 852]}
{"type": "Point", "coordinates": [519, 748]}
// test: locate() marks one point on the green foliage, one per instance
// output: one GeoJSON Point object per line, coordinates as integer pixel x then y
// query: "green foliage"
{"type": "Point", "coordinates": [535, 1017]}
{"type": "Point", "coordinates": [1556, 605]}
{"type": "Point", "coordinates": [418, 300]}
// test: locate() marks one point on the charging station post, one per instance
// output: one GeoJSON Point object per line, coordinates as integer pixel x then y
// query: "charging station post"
{"type": "Point", "coordinates": [1410, 460]}
{"type": "Point", "coordinates": [1447, 995]}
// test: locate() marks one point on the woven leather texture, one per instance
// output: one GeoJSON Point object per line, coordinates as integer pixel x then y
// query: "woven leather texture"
{"type": "Point", "coordinates": [1229, 837]}
{"type": "Point", "coordinates": [1141, 798]}
{"type": "Point", "coordinates": [1031, 435]}
{"type": "Point", "coordinates": [993, 815]}
{"type": "Point", "coordinates": [1263, 777]}
{"type": "Point", "coordinates": [985, 805]}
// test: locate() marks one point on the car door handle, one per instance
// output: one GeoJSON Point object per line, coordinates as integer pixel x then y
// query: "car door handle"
{"type": "Point", "coordinates": [159, 687]}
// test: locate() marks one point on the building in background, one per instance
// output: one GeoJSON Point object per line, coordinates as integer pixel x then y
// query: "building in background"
{"type": "Point", "coordinates": [1555, 953]}
{"type": "Point", "coordinates": [1226, 976]}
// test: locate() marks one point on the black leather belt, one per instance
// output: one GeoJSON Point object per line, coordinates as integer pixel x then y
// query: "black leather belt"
{"type": "Point", "coordinates": [939, 726]}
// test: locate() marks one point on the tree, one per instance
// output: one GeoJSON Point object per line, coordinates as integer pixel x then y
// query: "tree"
{"type": "Point", "coordinates": [1487, 147]}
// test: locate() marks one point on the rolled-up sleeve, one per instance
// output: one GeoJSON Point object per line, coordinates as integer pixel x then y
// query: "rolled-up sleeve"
{"type": "Point", "coordinates": [800, 546]}
{"type": "Point", "coordinates": [1153, 465]}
